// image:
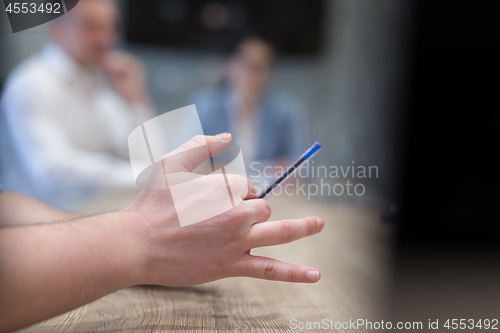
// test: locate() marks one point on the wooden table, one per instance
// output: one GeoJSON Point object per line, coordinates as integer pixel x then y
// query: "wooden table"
{"type": "Point", "coordinates": [352, 253]}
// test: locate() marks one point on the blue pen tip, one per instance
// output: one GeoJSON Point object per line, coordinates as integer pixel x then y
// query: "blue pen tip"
{"type": "Point", "coordinates": [314, 148]}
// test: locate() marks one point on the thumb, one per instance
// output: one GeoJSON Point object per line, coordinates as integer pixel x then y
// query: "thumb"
{"type": "Point", "coordinates": [191, 154]}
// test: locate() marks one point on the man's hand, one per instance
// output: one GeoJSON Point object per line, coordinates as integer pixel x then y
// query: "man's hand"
{"type": "Point", "coordinates": [50, 268]}
{"type": "Point", "coordinates": [125, 74]}
{"type": "Point", "coordinates": [220, 246]}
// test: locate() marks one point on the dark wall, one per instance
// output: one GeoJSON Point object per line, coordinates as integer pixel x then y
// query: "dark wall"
{"type": "Point", "coordinates": [294, 27]}
{"type": "Point", "coordinates": [447, 258]}
{"type": "Point", "coordinates": [451, 167]}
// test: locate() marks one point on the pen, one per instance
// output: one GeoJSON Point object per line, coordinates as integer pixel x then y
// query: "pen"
{"type": "Point", "coordinates": [290, 171]}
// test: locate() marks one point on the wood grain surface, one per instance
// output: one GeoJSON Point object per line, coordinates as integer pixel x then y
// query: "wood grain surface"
{"type": "Point", "coordinates": [352, 253]}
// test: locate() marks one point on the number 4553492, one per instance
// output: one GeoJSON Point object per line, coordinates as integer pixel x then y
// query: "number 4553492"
{"type": "Point", "coordinates": [25, 8]}
{"type": "Point", "coordinates": [471, 324]}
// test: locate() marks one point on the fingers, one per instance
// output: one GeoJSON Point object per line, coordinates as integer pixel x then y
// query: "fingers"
{"type": "Point", "coordinates": [210, 141]}
{"type": "Point", "coordinates": [271, 269]}
{"type": "Point", "coordinates": [241, 185]}
{"type": "Point", "coordinates": [252, 192]}
{"type": "Point", "coordinates": [191, 154]}
{"type": "Point", "coordinates": [255, 211]}
{"type": "Point", "coordinates": [285, 231]}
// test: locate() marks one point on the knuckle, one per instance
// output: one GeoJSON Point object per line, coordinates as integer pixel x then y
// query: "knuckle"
{"type": "Point", "coordinates": [269, 271]}
{"type": "Point", "coordinates": [267, 208]}
{"type": "Point", "coordinates": [312, 226]}
{"type": "Point", "coordinates": [233, 182]}
{"type": "Point", "coordinates": [245, 211]}
{"type": "Point", "coordinates": [291, 274]}
{"type": "Point", "coordinates": [263, 207]}
{"type": "Point", "coordinates": [199, 140]}
{"type": "Point", "coordinates": [250, 186]}
{"type": "Point", "coordinates": [286, 230]}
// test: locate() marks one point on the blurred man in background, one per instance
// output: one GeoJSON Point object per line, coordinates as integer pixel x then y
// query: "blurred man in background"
{"type": "Point", "coordinates": [266, 125]}
{"type": "Point", "coordinates": [67, 112]}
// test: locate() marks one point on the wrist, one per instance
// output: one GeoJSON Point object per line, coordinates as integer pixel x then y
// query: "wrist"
{"type": "Point", "coordinates": [125, 248]}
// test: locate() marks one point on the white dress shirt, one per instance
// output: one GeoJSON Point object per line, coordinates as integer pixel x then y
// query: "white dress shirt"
{"type": "Point", "coordinates": [64, 130]}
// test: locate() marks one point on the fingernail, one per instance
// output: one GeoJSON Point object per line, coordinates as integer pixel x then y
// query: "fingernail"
{"type": "Point", "coordinates": [320, 222]}
{"type": "Point", "coordinates": [312, 276]}
{"type": "Point", "coordinates": [224, 136]}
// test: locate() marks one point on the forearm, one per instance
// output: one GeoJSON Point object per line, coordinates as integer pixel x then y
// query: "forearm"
{"type": "Point", "coordinates": [20, 210]}
{"type": "Point", "coordinates": [52, 268]}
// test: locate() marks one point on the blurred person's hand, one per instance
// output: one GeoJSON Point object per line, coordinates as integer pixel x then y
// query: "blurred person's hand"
{"type": "Point", "coordinates": [220, 246]}
{"type": "Point", "coordinates": [125, 74]}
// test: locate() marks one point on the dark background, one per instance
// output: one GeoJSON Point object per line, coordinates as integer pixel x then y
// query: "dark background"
{"type": "Point", "coordinates": [451, 165]}
{"type": "Point", "coordinates": [294, 27]}
{"type": "Point", "coordinates": [447, 258]}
